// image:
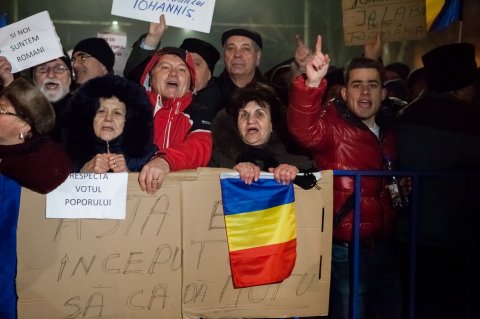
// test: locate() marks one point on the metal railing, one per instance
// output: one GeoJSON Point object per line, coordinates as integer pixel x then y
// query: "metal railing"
{"type": "Point", "coordinates": [413, 210]}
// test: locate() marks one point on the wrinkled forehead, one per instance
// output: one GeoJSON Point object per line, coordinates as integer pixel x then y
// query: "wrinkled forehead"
{"type": "Point", "coordinates": [53, 62]}
{"type": "Point", "coordinates": [240, 40]}
{"type": "Point", "coordinates": [172, 59]}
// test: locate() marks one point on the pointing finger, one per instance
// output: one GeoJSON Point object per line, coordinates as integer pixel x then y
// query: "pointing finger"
{"type": "Point", "coordinates": [318, 45]}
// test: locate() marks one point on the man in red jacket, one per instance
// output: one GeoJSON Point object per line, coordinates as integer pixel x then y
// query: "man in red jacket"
{"type": "Point", "coordinates": [351, 133]}
{"type": "Point", "coordinates": [181, 127]}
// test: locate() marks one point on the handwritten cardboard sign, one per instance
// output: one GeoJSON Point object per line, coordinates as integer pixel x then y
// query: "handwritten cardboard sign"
{"type": "Point", "coordinates": [30, 42]}
{"type": "Point", "coordinates": [85, 195]}
{"type": "Point", "coordinates": [168, 259]}
{"type": "Point", "coordinates": [398, 20]}
{"type": "Point", "coordinates": [186, 14]}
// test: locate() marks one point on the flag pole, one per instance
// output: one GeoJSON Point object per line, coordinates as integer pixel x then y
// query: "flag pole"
{"type": "Point", "coordinates": [460, 31]}
{"type": "Point", "coordinates": [460, 20]}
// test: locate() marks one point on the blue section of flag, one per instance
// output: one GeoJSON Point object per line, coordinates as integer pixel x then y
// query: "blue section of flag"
{"type": "Point", "coordinates": [451, 12]}
{"type": "Point", "coordinates": [263, 194]}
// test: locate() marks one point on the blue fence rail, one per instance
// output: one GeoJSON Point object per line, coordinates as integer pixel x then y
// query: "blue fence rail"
{"type": "Point", "coordinates": [414, 210]}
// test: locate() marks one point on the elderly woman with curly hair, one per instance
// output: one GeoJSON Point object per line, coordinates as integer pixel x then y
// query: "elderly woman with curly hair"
{"type": "Point", "coordinates": [109, 126]}
{"type": "Point", "coordinates": [250, 136]}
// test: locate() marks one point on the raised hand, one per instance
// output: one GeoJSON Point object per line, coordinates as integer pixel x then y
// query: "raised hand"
{"type": "Point", "coordinates": [156, 32]}
{"type": "Point", "coordinates": [301, 53]}
{"type": "Point", "coordinates": [316, 66]}
{"type": "Point", "coordinates": [374, 50]}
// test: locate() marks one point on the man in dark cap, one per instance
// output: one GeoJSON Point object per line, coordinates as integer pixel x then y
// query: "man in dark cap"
{"type": "Point", "coordinates": [439, 132]}
{"type": "Point", "coordinates": [54, 80]}
{"type": "Point", "coordinates": [92, 57]}
{"type": "Point", "coordinates": [242, 52]}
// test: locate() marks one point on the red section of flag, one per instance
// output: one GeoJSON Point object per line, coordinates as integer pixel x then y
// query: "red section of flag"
{"type": "Point", "coordinates": [263, 265]}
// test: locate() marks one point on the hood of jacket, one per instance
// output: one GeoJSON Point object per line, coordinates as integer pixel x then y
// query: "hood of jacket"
{"type": "Point", "coordinates": [136, 139]}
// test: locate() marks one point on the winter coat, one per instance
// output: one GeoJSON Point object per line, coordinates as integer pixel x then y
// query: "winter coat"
{"type": "Point", "coordinates": [181, 127]}
{"type": "Point", "coordinates": [39, 164]}
{"type": "Point", "coordinates": [136, 140]}
{"type": "Point", "coordinates": [439, 133]}
{"type": "Point", "coordinates": [226, 86]}
{"type": "Point", "coordinates": [340, 141]}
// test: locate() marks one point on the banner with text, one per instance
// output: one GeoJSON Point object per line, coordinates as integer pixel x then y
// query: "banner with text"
{"type": "Point", "coordinates": [168, 259]}
{"type": "Point", "coordinates": [88, 195]}
{"type": "Point", "coordinates": [397, 20]}
{"type": "Point", "coordinates": [186, 14]}
{"type": "Point", "coordinates": [30, 42]}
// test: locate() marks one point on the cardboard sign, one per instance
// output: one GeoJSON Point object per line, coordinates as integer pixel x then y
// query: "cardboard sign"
{"type": "Point", "coordinates": [168, 259]}
{"type": "Point", "coordinates": [398, 20]}
{"type": "Point", "coordinates": [85, 195]}
{"type": "Point", "coordinates": [186, 14]}
{"type": "Point", "coordinates": [30, 42]}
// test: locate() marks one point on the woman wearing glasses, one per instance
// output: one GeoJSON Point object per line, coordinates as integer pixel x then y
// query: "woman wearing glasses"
{"type": "Point", "coordinates": [27, 155]}
{"type": "Point", "coordinates": [27, 158]}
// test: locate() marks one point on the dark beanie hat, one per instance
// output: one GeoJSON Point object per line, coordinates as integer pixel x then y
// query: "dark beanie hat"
{"type": "Point", "coordinates": [99, 49]}
{"type": "Point", "coordinates": [255, 36]}
{"type": "Point", "coordinates": [450, 67]}
{"type": "Point", "coordinates": [207, 51]}
{"type": "Point", "coordinates": [32, 105]}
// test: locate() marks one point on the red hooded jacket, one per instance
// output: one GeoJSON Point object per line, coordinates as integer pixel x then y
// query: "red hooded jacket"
{"type": "Point", "coordinates": [340, 141]}
{"type": "Point", "coordinates": [181, 128]}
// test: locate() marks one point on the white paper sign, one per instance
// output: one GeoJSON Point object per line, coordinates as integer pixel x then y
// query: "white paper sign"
{"type": "Point", "coordinates": [186, 14]}
{"type": "Point", "coordinates": [118, 43]}
{"type": "Point", "coordinates": [30, 42]}
{"type": "Point", "coordinates": [85, 195]}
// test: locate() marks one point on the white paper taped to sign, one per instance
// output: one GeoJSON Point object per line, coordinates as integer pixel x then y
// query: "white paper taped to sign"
{"type": "Point", "coordinates": [186, 14]}
{"type": "Point", "coordinates": [88, 195]}
{"type": "Point", "coordinates": [30, 42]}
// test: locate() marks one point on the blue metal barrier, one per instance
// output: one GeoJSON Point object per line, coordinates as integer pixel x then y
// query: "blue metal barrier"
{"type": "Point", "coordinates": [413, 207]}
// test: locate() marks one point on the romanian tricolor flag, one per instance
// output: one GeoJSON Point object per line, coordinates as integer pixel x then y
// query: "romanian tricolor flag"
{"type": "Point", "coordinates": [442, 13]}
{"type": "Point", "coordinates": [261, 229]}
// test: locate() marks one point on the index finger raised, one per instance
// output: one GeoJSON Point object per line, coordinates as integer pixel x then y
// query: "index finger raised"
{"type": "Point", "coordinates": [318, 45]}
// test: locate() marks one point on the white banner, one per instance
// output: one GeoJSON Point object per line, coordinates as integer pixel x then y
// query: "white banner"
{"type": "Point", "coordinates": [118, 43]}
{"type": "Point", "coordinates": [88, 195]}
{"type": "Point", "coordinates": [186, 14]}
{"type": "Point", "coordinates": [30, 42]}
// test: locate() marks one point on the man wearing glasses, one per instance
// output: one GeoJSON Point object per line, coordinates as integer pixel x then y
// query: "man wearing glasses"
{"type": "Point", "coordinates": [91, 58]}
{"type": "Point", "coordinates": [54, 80]}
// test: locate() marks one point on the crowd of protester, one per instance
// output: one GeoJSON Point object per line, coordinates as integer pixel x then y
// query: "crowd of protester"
{"type": "Point", "coordinates": [168, 112]}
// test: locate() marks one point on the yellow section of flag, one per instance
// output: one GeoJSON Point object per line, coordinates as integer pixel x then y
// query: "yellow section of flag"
{"type": "Point", "coordinates": [259, 228]}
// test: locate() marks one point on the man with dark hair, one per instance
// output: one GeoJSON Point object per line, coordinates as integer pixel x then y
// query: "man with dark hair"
{"type": "Point", "coordinates": [352, 133]}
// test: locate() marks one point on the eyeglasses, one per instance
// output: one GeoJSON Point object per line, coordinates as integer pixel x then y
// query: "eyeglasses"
{"type": "Point", "coordinates": [5, 112]}
{"type": "Point", "coordinates": [57, 69]}
{"type": "Point", "coordinates": [80, 59]}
